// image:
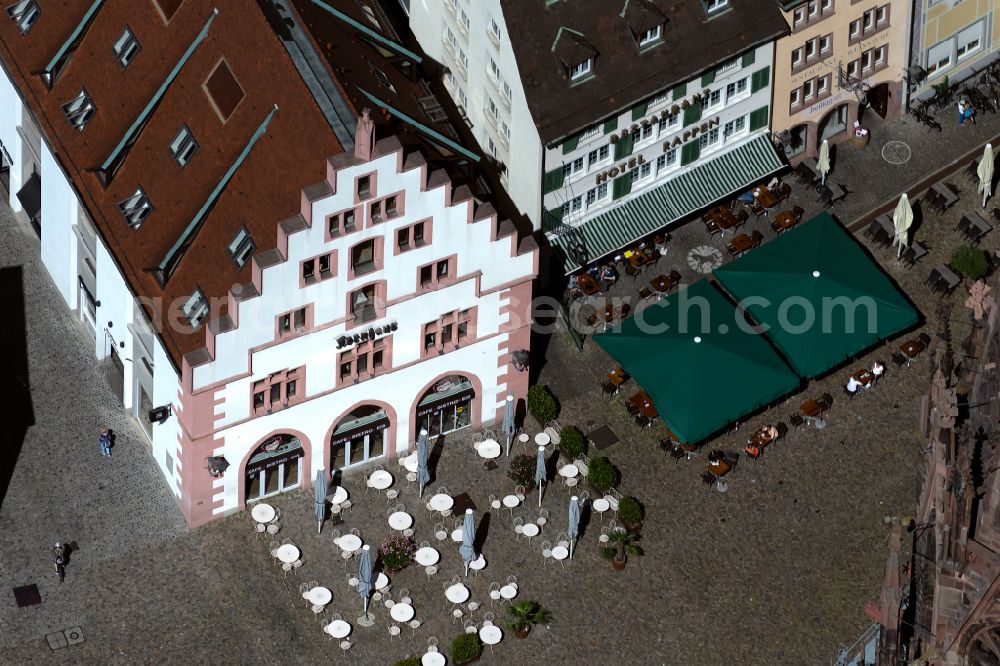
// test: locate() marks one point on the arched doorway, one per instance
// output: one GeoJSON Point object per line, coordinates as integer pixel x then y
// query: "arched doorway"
{"type": "Point", "coordinates": [274, 467]}
{"type": "Point", "coordinates": [833, 123]}
{"type": "Point", "coordinates": [359, 437]}
{"type": "Point", "coordinates": [446, 406]}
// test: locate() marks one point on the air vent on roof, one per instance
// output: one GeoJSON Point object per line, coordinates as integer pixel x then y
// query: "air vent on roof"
{"type": "Point", "coordinates": [136, 208]}
{"type": "Point", "coordinates": [168, 7]}
{"type": "Point", "coordinates": [432, 108]}
{"type": "Point", "coordinates": [79, 110]}
{"type": "Point", "coordinates": [224, 90]}
{"type": "Point", "coordinates": [24, 14]}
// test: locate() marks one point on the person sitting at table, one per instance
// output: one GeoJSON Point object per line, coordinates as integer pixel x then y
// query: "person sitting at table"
{"type": "Point", "coordinates": [853, 385]}
{"type": "Point", "coordinates": [608, 276]}
{"type": "Point", "coordinates": [660, 244]}
{"type": "Point", "coordinates": [878, 369]}
{"type": "Point", "coordinates": [770, 433]}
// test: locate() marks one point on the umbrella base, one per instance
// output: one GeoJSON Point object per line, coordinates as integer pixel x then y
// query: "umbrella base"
{"type": "Point", "coordinates": [366, 620]}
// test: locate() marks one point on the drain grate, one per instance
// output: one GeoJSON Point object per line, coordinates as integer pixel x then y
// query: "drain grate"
{"type": "Point", "coordinates": [27, 595]}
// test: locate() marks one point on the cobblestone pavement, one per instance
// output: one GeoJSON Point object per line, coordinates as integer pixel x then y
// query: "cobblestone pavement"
{"type": "Point", "coordinates": [773, 572]}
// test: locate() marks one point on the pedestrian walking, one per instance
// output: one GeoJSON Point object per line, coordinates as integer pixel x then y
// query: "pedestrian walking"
{"type": "Point", "coordinates": [60, 561]}
{"type": "Point", "coordinates": [105, 442]}
{"type": "Point", "coordinates": [966, 112]}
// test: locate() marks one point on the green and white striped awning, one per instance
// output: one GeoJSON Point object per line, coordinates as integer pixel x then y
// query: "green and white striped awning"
{"type": "Point", "coordinates": [705, 184]}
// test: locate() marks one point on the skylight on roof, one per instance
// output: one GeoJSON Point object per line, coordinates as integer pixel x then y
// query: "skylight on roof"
{"type": "Point", "coordinates": [136, 208]}
{"type": "Point", "coordinates": [580, 70]}
{"type": "Point", "coordinates": [196, 308]}
{"type": "Point", "coordinates": [79, 110]}
{"type": "Point", "coordinates": [24, 14]}
{"type": "Point", "coordinates": [126, 47]}
{"type": "Point", "coordinates": [168, 8]}
{"type": "Point", "coordinates": [224, 90]}
{"type": "Point", "coordinates": [183, 146]}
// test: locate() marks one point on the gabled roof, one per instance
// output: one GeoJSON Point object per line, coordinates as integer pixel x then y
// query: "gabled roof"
{"type": "Point", "coordinates": [622, 76]}
{"type": "Point", "coordinates": [264, 189]}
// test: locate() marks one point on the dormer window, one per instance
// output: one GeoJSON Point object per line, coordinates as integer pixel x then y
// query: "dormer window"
{"type": "Point", "coordinates": [126, 47]}
{"type": "Point", "coordinates": [715, 5]}
{"type": "Point", "coordinates": [650, 36]}
{"type": "Point", "coordinates": [79, 110]}
{"type": "Point", "coordinates": [242, 247]}
{"type": "Point", "coordinates": [196, 308]}
{"type": "Point", "coordinates": [136, 208]}
{"type": "Point", "coordinates": [581, 70]}
{"type": "Point", "coordinates": [24, 14]}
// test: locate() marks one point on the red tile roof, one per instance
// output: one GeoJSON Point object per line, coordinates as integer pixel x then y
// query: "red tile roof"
{"type": "Point", "coordinates": [264, 190]}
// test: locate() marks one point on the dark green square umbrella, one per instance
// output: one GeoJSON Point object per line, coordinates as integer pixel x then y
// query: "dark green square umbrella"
{"type": "Point", "coordinates": [698, 365]}
{"type": "Point", "coordinates": [818, 294]}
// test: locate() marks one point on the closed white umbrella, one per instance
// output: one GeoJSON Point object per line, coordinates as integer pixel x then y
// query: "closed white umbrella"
{"type": "Point", "coordinates": [540, 474]}
{"type": "Point", "coordinates": [574, 523]}
{"type": "Point", "coordinates": [320, 501]}
{"type": "Point", "coordinates": [902, 218]}
{"type": "Point", "coordinates": [823, 161]}
{"type": "Point", "coordinates": [985, 172]}
{"type": "Point", "coordinates": [467, 550]}
{"type": "Point", "coordinates": [508, 421]}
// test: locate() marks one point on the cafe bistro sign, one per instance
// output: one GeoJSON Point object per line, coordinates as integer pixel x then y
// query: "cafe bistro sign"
{"type": "Point", "coordinates": [636, 129]}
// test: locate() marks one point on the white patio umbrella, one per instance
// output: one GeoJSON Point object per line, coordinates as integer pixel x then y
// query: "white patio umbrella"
{"type": "Point", "coordinates": [320, 504]}
{"type": "Point", "coordinates": [508, 421]}
{"type": "Point", "coordinates": [365, 577]}
{"type": "Point", "coordinates": [902, 218]}
{"type": "Point", "coordinates": [574, 523]}
{"type": "Point", "coordinates": [823, 161]}
{"type": "Point", "coordinates": [467, 550]}
{"type": "Point", "coordinates": [985, 172]}
{"type": "Point", "coordinates": [423, 476]}
{"type": "Point", "coordinates": [540, 474]}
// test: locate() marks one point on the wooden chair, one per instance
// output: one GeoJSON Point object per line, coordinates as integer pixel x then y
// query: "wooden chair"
{"type": "Point", "coordinates": [741, 218]}
{"type": "Point", "coordinates": [632, 271]}
{"type": "Point", "coordinates": [798, 212]}
{"type": "Point", "coordinates": [796, 420]}
{"type": "Point", "coordinates": [609, 389]}
{"type": "Point", "coordinates": [784, 192]}
{"type": "Point", "coordinates": [756, 238]}
{"type": "Point", "coordinates": [899, 359]}
{"type": "Point", "coordinates": [825, 401]}
{"type": "Point", "coordinates": [631, 409]}
{"type": "Point", "coordinates": [642, 421]}
{"type": "Point", "coordinates": [782, 430]}
{"type": "Point", "coordinates": [645, 293]}
{"type": "Point", "coordinates": [925, 339]}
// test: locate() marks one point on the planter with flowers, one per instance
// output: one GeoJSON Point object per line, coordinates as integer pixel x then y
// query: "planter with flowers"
{"type": "Point", "coordinates": [397, 552]}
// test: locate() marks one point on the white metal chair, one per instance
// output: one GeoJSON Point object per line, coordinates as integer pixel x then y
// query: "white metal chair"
{"type": "Point", "coordinates": [494, 593]}
{"type": "Point", "coordinates": [547, 551]}
{"type": "Point", "coordinates": [345, 645]}
{"type": "Point", "coordinates": [393, 631]}
{"type": "Point", "coordinates": [519, 525]}
{"type": "Point", "coordinates": [543, 517]}
{"type": "Point", "coordinates": [494, 502]}
{"type": "Point", "coordinates": [431, 570]}
{"type": "Point", "coordinates": [457, 615]}
{"type": "Point", "coordinates": [470, 627]}
{"type": "Point", "coordinates": [432, 644]}
{"type": "Point", "coordinates": [414, 625]}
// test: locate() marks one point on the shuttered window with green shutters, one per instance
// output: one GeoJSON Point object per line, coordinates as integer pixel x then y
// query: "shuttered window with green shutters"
{"type": "Point", "coordinates": [749, 57]}
{"type": "Point", "coordinates": [624, 147]}
{"type": "Point", "coordinates": [690, 152]}
{"type": "Point", "coordinates": [707, 78]}
{"type": "Point", "coordinates": [610, 126]}
{"type": "Point", "coordinates": [760, 79]}
{"type": "Point", "coordinates": [678, 92]}
{"type": "Point", "coordinates": [621, 186]}
{"type": "Point", "coordinates": [570, 144]}
{"type": "Point", "coordinates": [553, 180]}
{"type": "Point", "coordinates": [639, 111]}
{"type": "Point", "coordinates": [758, 118]}
{"type": "Point", "coordinates": [692, 114]}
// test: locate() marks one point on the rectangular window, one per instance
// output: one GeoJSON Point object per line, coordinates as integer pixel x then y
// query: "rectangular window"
{"type": "Point", "coordinates": [822, 85]}
{"type": "Point", "coordinates": [597, 194]}
{"type": "Point", "coordinates": [855, 30]}
{"type": "Point", "coordinates": [939, 57]}
{"type": "Point", "coordinates": [650, 36]}
{"type": "Point", "coordinates": [810, 49]}
{"type": "Point", "coordinates": [731, 64]}
{"type": "Point", "coordinates": [825, 42]}
{"type": "Point", "coordinates": [735, 126]}
{"type": "Point", "coordinates": [737, 89]}
{"type": "Point", "coordinates": [709, 138]}
{"type": "Point", "coordinates": [580, 70]}
{"type": "Point", "coordinates": [572, 206]}
{"type": "Point", "coordinates": [494, 29]}
{"type": "Point", "coordinates": [183, 146]}
{"type": "Point", "coordinates": [79, 110]}
{"type": "Point", "coordinates": [363, 257]}
{"type": "Point", "coordinates": [659, 99]}
{"type": "Point", "coordinates": [376, 212]}
{"type": "Point", "coordinates": [342, 223]}
{"type": "Point", "coordinates": [309, 270]}
{"type": "Point", "coordinates": [795, 98]}
{"type": "Point", "coordinates": [573, 168]}
{"type": "Point", "coordinates": [24, 14]}
{"type": "Point", "coordinates": [195, 308]}
{"type": "Point", "coordinates": [667, 159]}
{"type": "Point", "coordinates": [715, 5]}
{"type": "Point", "coordinates": [126, 47]}
{"type": "Point", "coordinates": [136, 208]}
{"type": "Point", "coordinates": [242, 247]}
{"type": "Point", "coordinates": [796, 58]}
{"type": "Point", "coordinates": [969, 40]}
{"type": "Point", "coordinates": [390, 207]}
{"type": "Point", "coordinates": [826, 6]}
{"type": "Point", "coordinates": [363, 304]}
{"type": "Point", "coordinates": [365, 187]}
{"type": "Point", "coordinates": [647, 132]}
{"type": "Point", "coordinates": [813, 7]}
{"type": "Point", "coordinates": [798, 17]}
{"type": "Point", "coordinates": [852, 68]}
{"type": "Point", "coordinates": [882, 14]}
{"type": "Point", "coordinates": [598, 155]}
{"type": "Point", "coordinates": [807, 89]}
{"type": "Point", "coordinates": [866, 61]}
{"type": "Point", "coordinates": [879, 56]}
{"type": "Point", "coordinates": [324, 266]}
{"type": "Point", "coordinates": [714, 98]}
{"type": "Point", "coordinates": [869, 20]}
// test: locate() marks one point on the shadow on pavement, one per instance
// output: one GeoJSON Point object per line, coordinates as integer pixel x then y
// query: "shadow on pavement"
{"type": "Point", "coordinates": [15, 394]}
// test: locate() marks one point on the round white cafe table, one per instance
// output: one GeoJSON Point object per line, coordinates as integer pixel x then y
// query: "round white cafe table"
{"type": "Point", "coordinates": [337, 495]}
{"type": "Point", "coordinates": [319, 596]}
{"type": "Point", "coordinates": [441, 502]}
{"type": "Point", "coordinates": [478, 564]}
{"type": "Point", "coordinates": [262, 513]}
{"type": "Point", "coordinates": [380, 479]}
{"type": "Point", "coordinates": [491, 634]}
{"type": "Point", "coordinates": [530, 530]}
{"type": "Point", "coordinates": [432, 659]}
{"type": "Point", "coordinates": [427, 556]}
{"type": "Point", "coordinates": [510, 501]}
{"type": "Point", "coordinates": [457, 534]}
{"type": "Point", "coordinates": [288, 553]}
{"type": "Point", "coordinates": [410, 463]}
{"type": "Point", "coordinates": [338, 629]}
{"type": "Point", "coordinates": [381, 582]}
{"type": "Point", "coordinates": [457, 594]}
{"type": "Point", "coordinates": [600, 505]}
{"type": "Point", "coordinates": [400, 521]}
{"type": "Point", "coordinates": [560, 553]}
{"type": "Point", "coordinates": [568, 471]}
{"type": "Point", "coordinates": [489, 449]}
{"type": "Point", "coordinates": [401, 612]}
{"type": "Point", "coordinates": [523, 438]}
{"type": "Point", "coordinates": [542, 439]}
{"type": "Point", "coordinates": [349, 543]}
{"type": "Point", "coordinates": [508, 592]}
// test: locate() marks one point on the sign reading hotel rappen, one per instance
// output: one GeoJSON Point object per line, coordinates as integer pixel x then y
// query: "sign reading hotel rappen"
{"type": "Point", "coordinates": [636, 129]}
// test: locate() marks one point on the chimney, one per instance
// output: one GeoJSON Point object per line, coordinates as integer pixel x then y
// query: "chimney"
{"type": "Point", "coordinates": [364, 136]}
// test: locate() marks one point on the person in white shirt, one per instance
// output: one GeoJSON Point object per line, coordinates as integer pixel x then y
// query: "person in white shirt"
{"type": "Point", "coordinates": [853, 385]}
{"type": "Point", "coordinates": [878, 369]}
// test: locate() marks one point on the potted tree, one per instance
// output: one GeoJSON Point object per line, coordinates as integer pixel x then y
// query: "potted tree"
{"type": "Point", "coordinates": [602, 475]}
{"type": "Point", "coordinates": [621, 544]}
{"type": "Point", "coordinates": [970, 262]}
{"type": "Point", "coordinates": [630, 511]}
{"type": "Point", "coordinates": [572, 442]}
{"type": "Point", "coordinates": [542, 404]}
{"type": "Point", "coordinates": [397, 552]}
{"type": "Point", "coordinates": [523, 614]}
{"type": "Point", "coordinates": [522, 471]}
{"type": "Point", "coordinates": [409, 661]}
{"type": "Point", "coordinates": [466, 648]}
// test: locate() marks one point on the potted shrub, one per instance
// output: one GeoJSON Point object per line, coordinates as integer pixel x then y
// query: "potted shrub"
{"type": "Point", "coordinates": [621, 544]}
{"type": "Point", "coordinates": [523, 614]}
{"type": "Point", "coordinates": [970, 262]}
{"type": "Point", "coordinates": [466, 648]}
{"type": "Point", "coordinates": [409, 661]}
{"type": "Point", "coordinates": [572, 442]}
{"type": "Point", "coordinates": [522, 471]}
{"type": "Point", "coordinates": [541, 404]}
{"type": "Point", "coordinates": [630, 512]}
{"type": "Point", "coordinates": [602, 475]}
{"type": "Point", "coordinates": [397, 552]}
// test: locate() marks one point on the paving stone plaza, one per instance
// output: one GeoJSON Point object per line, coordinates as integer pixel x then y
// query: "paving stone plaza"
{"type": "Point", "coordinates": [775, 571]}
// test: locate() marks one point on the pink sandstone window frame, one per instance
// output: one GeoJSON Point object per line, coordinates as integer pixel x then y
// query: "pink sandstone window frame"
{"type": "Point", "coordinates": [318, 275]}
{"type": "Point", "coordinates": [293, 330]}
{"type": "Point", "coordinates": [366, 349]}
{"type": "Point", "coordinates": [428, 230]}
{"type": "Point", "coordinates": [281, 380]}
{"type": "Point", "coordinates": [436, 281]}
